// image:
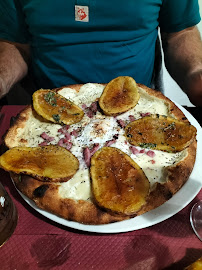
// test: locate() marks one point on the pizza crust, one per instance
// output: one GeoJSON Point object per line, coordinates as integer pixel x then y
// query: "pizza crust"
{"type": "Point", "coordinates": [49, 199]}
{"type": "Point", "coordinates": [13, 137]}
{"type": "Point", "coordinates": [88, 212]}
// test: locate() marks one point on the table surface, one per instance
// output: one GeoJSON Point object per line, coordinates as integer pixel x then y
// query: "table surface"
{"type": "Point", "coordinates": [39, 243]}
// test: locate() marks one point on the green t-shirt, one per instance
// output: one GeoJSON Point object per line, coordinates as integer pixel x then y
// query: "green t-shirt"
{"type": "Point", "coordinates": [92, 40]}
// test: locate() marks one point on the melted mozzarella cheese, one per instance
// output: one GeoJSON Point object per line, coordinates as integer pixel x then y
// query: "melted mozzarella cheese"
{"type": "Point", "coordinates": [36, 127]}
{"type": "Point", "coordinates": [100, 129]}
{"type": "Point", "coordinates": [78, 188]}
{"type": "Point", "coordinates": [155, 171]}
{"type": "Point", "coordinates": [88, 93]}
{"type": "Point", "coordinates": [146, 104]}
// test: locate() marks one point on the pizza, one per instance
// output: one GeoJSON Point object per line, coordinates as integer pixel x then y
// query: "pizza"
{"type": "Point", "coordinates": [100, 153]}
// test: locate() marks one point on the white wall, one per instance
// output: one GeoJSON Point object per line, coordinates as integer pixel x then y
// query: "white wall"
{"type": "Point", "coordinates": [172, 90]}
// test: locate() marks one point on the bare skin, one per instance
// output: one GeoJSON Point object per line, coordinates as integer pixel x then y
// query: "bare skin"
{"type": "Point", "coordinates": [13, 64]}
{"type": "Point", "coordinates": [183, 59]}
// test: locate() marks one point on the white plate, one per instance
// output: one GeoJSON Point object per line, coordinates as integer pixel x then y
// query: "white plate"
{"type": "Point", "coordinates": [181, 199]}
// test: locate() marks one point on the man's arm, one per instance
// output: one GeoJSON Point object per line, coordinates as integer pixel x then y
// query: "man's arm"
{"type": "Point", "coordinates": [14, 58]}
{"type": "Point", "coordinates": [183, 60]}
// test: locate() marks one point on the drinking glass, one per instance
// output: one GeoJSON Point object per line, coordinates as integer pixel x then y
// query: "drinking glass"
{"type": "Point", "coordinates": [196, 219]}
{"type": "Point", "coordinates": [8, 216]}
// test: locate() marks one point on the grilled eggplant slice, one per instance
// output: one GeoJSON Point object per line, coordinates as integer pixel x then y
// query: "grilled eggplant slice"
{"type": "Point", "coordinates": [160, 133]}
{"type": "Point", "coordinates": [47, 163]}
{"type": "Point", "coordinates": [56, 108]}
{"type": "Point", "coordinates": [119, 96]}
{"type": "Point", "coordinates": [118, 183]}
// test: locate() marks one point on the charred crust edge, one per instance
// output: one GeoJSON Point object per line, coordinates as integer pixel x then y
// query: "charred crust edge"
{"type": "Point", "coordinates": [40, 191]}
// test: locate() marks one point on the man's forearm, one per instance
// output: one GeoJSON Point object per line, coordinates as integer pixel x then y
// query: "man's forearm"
{"type": "Point", "coordinates": [183, 59]}
{"type": "Point", "coordinates": [13, 65]}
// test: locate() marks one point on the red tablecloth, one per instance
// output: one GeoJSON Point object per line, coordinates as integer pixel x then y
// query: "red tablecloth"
{"type": "Point", "coordinates": [39, 243]}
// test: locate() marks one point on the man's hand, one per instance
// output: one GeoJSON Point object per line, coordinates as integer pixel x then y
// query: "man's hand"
{"type": "Point", "coordinates": [183, 60]}
{"type": "Point", "coordinates": [14, 58]}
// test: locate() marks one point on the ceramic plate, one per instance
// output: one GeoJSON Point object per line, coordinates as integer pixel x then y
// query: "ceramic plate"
{"type": "Point", "coordinates": [180, 200]}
